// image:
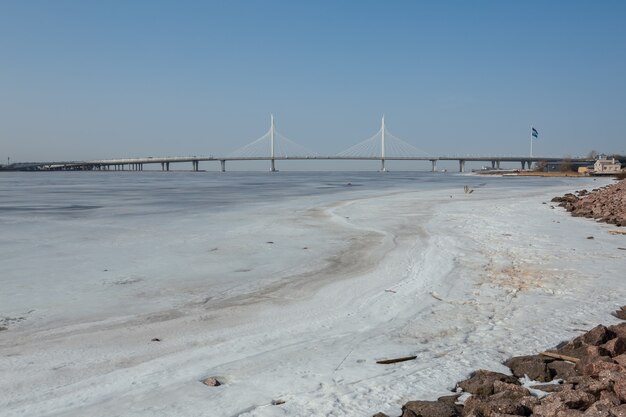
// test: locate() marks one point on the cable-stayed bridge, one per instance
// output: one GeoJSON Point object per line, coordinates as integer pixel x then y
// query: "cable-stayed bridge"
{"type": "Point", "coordinates": [273, 146]}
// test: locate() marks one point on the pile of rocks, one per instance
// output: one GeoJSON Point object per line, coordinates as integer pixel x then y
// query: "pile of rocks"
{"type": "Point", "coordinates": [591, 384]}
{"type": "Point", "coordinates": [607, 204]}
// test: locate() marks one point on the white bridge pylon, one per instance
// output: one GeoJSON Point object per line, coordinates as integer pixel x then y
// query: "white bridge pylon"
{"type": "Point", "coordinates": [273, 145]}
{"type": "Point", "coordinates": [383, 145]}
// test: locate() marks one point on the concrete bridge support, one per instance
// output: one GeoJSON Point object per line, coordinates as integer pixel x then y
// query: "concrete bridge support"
{"type": "Point", "coordinates": [223, 165]}
{"type": "Point", "coordinates": [167, 166]}
{"type": "Point", "coordinates": [272, 165]}
{"type": "Point", "coordinates": [461, 165]}
{"type": "Point", "coordinates": [434, 163]}
{"type": "Point", "coordinates": [382, 166]}
{"type": "Point", "coordinates": [195, 165]}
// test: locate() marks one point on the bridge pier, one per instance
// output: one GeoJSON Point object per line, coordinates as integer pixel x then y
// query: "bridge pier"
{"type": "Point", "coordinates": [167, 166]}
{"type": "Point", "coordinates": [382, 166]}
{"type": "Point", "coordinates": [434, 163]}
{"type": "Point", "coordinates": [497, 164]}
{"type": "Point", "coordinates": [461, 165]}
{"type": "Point", "coordinates": [493, 164]}
{"type": "Point", "coordinates": [223, 165]}
{"type": "Point", "coordinates": [195, 165]}
{"type": "Point", "coordinates": [272, 165]}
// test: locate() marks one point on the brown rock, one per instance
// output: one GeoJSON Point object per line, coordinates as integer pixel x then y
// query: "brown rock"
{"type": "Point", "coordinates": [598, 409]}
{"type": "Point", "coordinates": [619, 329]}
{"type": "Point", "coordinates": [619, 411]}
{"type": "Point", "coordinates": [449, 399]}
{"type": "Point", "coordinates": [575, 348]}
{"type": "Point", "coordinates": [380, 415]}
{"type": "Point", "coordinates": [481, 382]}
{"type": "Point", "coordinates": [535, 367]}
{"type": "Point", "coordinates": [620, 314]}
{"type": "Point", "coordinates": [611, 375]}
{"type": "Point", "coordinates": [615, 346]}
{"type": "Point", "coordinates": [211, 382]}
{"type": "Point", "coordinates": [595, 351]}
{"type": "Point", "coordinates": [561, 369]}
{"type": "Point", "coordinates": [563, 401]}
{"type": "Point", "coordinates": [499, 386]}
{"type": "Point", "coordinates": [476, 407]}
{"type": "Point", "coordinates": [619, 387]}
{"type": "Point", "coordinates": [597, 367]}
{"type": "Point", "coordinates": [496, 405]}
{"type": "Point", "coordinates": [620, 359]}
{"type": "Point", "coordinates": [593, 386]}
{"type": "Point", "coordinates": [590, 365]}
{"type": "Point", "coordinates": [429, 409]}
{"type": "Point", "coordinates": [609, 397]}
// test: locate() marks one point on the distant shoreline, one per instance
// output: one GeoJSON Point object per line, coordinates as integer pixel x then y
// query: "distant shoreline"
{"type": "Point", "coordinates": [518, 173]}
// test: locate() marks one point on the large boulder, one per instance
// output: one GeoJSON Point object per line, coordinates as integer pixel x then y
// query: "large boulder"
{"type": "Point", "coordinates": [620, 313]}
{"type": "Point", "coordinates": [598, 335]}
{"type": "Point", "coordinates": [535, 367]}
{"type": "Point", "coordinates": [619, 330]}
{"type": "Point", "coordinates": [429, 409]}
{"type": "Point", "coordinates": [499, 404]}
{"type": "Point", "coordinates": [620, 359]}
{"type": "Point", "coordinates": [599, 409]}
{"type": "Point", "coordinates": [481, 382]}
{"type": "Point", "coordinates": [562, 402]}
{"type": "Point", "coordinates": [615, 346]}
{"type": "Point", "coordinates": [594, 366]}
{"type": "Point", "coordinates": [561, 369]}
{"type": "Point", "coordinates": [510, 389]}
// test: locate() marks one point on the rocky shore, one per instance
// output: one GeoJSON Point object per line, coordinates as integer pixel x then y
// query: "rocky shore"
{"type": "Point", "coordinates": [607, 204]}
{"type": "Point", "coordinates": [583, 377]}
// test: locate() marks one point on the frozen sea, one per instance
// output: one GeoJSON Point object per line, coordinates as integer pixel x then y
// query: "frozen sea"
{"type": "Point", "coordinates": [284, 286]}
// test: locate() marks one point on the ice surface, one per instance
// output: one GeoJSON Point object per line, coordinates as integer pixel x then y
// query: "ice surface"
{"type": "Point", "coordinates": [284, 287]}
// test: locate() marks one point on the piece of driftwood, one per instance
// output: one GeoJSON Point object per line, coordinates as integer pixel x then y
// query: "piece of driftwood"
{"type": "Point", "coordinates": [558, 356]}
{"type": "Point", "coordinates": [436, 296]}
{"type": "Point", "coordinates": [617, 232]}
{"type": "Point", "coordinates": [396, 360]}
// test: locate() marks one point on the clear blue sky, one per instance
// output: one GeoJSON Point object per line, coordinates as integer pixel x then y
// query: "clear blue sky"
{"type": "Point", "coordinates": [98, 79]}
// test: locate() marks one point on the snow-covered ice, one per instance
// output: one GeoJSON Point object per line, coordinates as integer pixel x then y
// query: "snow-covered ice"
{"type": "Point", "coordinates": [284, 286]}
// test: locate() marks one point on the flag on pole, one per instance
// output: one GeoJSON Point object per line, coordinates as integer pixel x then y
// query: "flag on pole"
{"type": "Point", "coordinates": [535, 133]}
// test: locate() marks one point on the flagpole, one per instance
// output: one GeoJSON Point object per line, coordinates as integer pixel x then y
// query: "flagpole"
{"type": "Point", "coordinates": [531, 141]}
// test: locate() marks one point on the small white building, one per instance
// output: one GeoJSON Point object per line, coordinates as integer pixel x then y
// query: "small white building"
{"type": "Point", "coordinates": [607, 166]}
